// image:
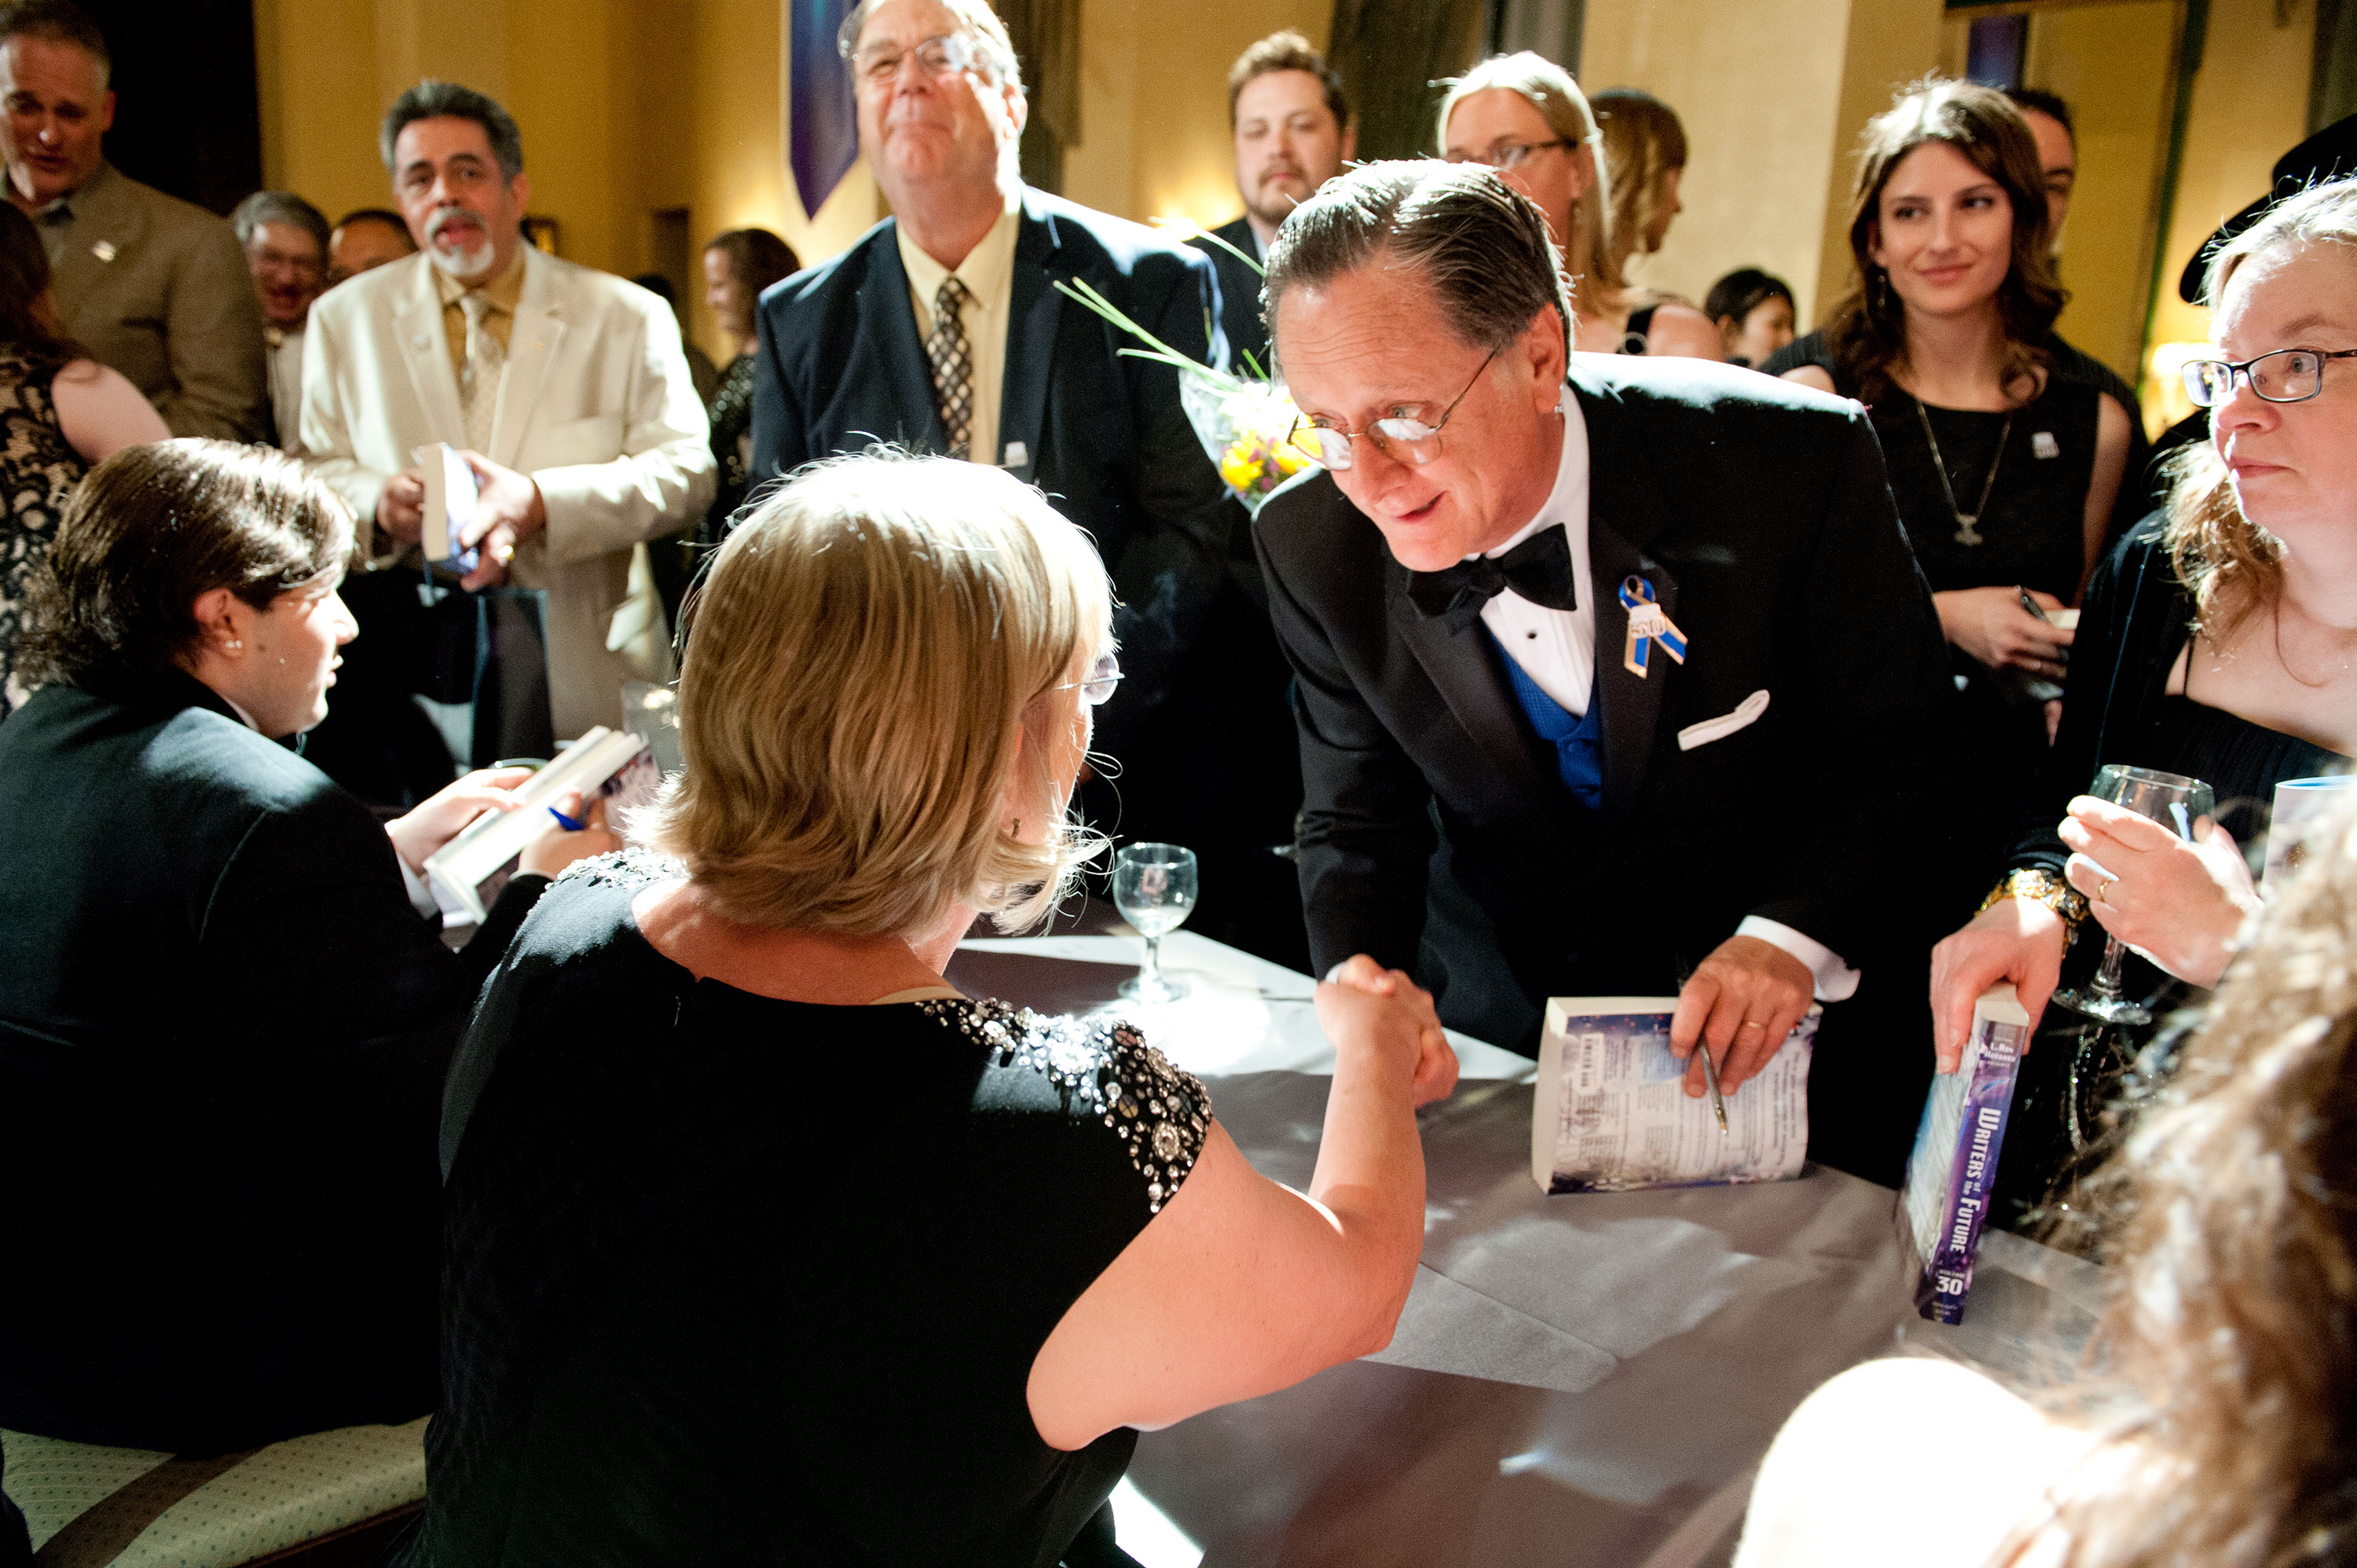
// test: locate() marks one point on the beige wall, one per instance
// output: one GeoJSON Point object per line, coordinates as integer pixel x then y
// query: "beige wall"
{"type": "Point", "coordinates": [1155, 141]}
{"type": "Point", "coordinates": [1772, 99]}
{"type": "Point", "coordinates": [2243, 120]}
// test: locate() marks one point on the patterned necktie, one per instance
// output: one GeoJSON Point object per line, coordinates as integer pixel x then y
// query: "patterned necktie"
{"type": "Point", "coordinates": [478, 387]}
{"type": "Point", "coordinates": [1539, 569]}
{"type": "Point", "coordinates": [952, 360]}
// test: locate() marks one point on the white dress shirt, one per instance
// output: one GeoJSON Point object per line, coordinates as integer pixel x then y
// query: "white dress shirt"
{"type": "Point", "coordinates": [1557, 648]}
{"type": "Point", "coordinates": [988, 273]}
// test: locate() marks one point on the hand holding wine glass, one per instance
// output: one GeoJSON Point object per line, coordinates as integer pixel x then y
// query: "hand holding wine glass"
{"type": "Point", "coordinates": [1154, 888]}
{"type": "Point", "coordinates": [2171, 800]}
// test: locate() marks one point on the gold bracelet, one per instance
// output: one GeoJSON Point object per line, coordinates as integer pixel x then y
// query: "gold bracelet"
{"type": "Point", "coordinates": [2037, 886]}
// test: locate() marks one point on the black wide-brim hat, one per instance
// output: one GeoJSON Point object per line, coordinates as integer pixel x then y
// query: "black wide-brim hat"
{"type": "Point", "coordinates": [2329, 155]}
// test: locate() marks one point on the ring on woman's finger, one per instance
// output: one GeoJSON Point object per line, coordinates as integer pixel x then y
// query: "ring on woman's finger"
{"type": "Point", "coordinates": [1748, 1023]}
{"type": "Point", "coordinates": [2103, 887]}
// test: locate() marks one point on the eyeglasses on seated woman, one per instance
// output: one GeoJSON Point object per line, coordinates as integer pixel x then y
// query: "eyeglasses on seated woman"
{"type": "Point", "coordinates": [755, 1223]}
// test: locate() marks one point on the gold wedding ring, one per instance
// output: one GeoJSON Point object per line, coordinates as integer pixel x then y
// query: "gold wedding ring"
{"type": "Point", "coordinates": [1748, 1023]}
{"type": "Point", "coordinates": [2104, 887]}
{"type": "Point", "coordinates": [505, 554]}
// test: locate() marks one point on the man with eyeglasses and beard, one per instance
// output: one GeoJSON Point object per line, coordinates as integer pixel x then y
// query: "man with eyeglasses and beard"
{"type": "Point", "coordinates": [942, 330]}
{"type": "Point", "coordinates": [1637, 645]}
{"type": "Point", "coordinates": [566, 391]}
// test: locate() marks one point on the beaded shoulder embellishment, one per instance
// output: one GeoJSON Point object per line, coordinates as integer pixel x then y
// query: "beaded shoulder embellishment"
{"type": "Point", "coordinates": [1160, 1114]}
{"type": "Point", "coordinates": [624, 868]}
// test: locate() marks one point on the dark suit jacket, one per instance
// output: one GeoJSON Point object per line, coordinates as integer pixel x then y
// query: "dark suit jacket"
{"type": "Point", "coordinates": [222, 1036]}
{"type": "Point", "coordinates": [1759, 513]}
{"type": "Point", "coordinates": [841, 368]}
{"type": "Point", "coordinates": [1240, 297]}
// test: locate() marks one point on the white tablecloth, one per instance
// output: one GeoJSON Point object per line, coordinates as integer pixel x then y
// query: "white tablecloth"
{"type": "Point", "coordinates": [1576, 1380]}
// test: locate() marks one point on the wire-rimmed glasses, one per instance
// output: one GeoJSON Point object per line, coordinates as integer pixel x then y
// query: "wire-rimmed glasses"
{"type": "Point", "coordinates": [937, 56]}
{"type": "Point", "coordinates": [1504, 156]}
{"type": "Point", "coordinates": [1096, 688]}
{"type": "Point", "coordinates": [2287, 375]}
{"type": "Point", "coordinates": [1409, 441]}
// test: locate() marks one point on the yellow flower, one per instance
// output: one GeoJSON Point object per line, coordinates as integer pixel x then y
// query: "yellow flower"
{"type": "Point", "coordinates": [1238, 467]}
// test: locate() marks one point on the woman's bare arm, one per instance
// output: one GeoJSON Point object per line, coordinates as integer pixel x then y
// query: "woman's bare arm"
{"type": "Point", "coordinates": [1240, 1286]}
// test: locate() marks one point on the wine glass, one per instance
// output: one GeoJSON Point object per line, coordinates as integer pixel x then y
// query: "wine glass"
{"type": "Point", "coordinates": [2172, 800]}
{"type": "Point", "coordinates": [1153, 887]}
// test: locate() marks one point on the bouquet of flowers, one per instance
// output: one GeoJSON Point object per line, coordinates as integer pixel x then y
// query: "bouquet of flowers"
{"type": "Point", "coordinates": [1242, 420]}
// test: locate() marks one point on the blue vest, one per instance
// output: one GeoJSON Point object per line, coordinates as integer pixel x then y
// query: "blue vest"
{"type": "Point", "coordinates": [1578, 742]}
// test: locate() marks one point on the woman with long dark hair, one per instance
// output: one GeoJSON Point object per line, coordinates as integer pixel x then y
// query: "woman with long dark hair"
{"type": "Point", "coordinates": [60, 411]}
{"type": "Point", "coordinates": [2006, 468]}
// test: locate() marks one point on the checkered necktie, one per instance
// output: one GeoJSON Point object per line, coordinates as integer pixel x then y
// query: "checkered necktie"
{"type": "Point", "coordinates": [952, 360]}
{"type": "Point", "coordinates": [478, 388]}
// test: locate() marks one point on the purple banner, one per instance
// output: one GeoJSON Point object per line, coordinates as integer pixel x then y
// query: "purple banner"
{"type": "Point", "coordinates": [823, 122]}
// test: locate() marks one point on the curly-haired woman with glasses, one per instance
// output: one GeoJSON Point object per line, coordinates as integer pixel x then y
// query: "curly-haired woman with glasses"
{"type": "Point", "coordinates": [2218, 641]}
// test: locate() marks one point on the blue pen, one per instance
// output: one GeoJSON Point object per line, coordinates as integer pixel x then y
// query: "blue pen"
{"type": "Point", "coordinates": [568, 823]}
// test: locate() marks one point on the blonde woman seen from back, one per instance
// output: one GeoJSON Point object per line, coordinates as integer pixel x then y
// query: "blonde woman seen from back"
{"type": "Point", "coordinates": [911, 1267]}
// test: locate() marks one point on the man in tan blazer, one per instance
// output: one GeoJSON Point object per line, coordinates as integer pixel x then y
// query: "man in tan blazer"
{"type": "Point", "coordinates": [566, 389]}
{"type": "Point", "coordinates": [154, 286]}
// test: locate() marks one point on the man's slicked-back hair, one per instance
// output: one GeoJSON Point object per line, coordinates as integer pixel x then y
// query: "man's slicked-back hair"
{"type": "Point", "coordinates": [58, 22]}
{"type": "Point", "coordinates": [279, 207]}
{"type": "Point", "coordinates": [1481, 244]}
{"type": "Point", "coordinates": [431, 99]}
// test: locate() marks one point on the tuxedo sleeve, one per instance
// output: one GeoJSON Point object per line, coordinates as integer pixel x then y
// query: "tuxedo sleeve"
{"type": "Point", "coordinates": [1365, 832]}
{"type": "Point", "coordinates": [1170, 566]}
{"type": "Point", "coordinates": [1874, 766]}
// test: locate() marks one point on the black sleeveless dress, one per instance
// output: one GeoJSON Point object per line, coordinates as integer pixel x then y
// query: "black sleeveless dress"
{"type": "Point", "coordinates": [2031, 533]}
{"type": "Point", "coordinates": [735, 1280]}
{"type": "Point", "coordinates": [2119, 710]}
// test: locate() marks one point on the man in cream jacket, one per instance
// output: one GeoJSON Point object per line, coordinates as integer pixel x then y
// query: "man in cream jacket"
{"type": "Point", "coordinates": [566, 389]}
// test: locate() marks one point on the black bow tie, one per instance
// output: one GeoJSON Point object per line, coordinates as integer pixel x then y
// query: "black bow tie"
{"type": "Point", "coordinates": [1539, 569]}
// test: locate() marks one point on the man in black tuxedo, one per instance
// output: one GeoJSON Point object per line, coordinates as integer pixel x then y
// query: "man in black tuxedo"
{"type": "Point", "coordinates": [942, 330]}
{"type": "Point", "coordinates": [1644, 641]}
{"type": "Point", "coordinates": [1292, 126]}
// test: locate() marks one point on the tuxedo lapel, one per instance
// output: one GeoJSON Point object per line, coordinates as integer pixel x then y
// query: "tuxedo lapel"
{"type": "Point", "coordinates": [1625, 510]}
{"type": "Point", "coordinates": [1461, 665]}
{"type": "Point", "coordinates": [417, 332]}
{"type": "Point", "coordinates": [533, 339]}
{"type": "Point", "coordinates": [888, 319]}
{"type": "Point", "coordinates": [1035, 311]}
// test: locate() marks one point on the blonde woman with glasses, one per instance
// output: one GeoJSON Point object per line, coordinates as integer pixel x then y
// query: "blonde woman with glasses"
{"type": "Point", "coordinates": [1522, 115]}
{"type": "Point", "coordinates": [757, 1229]}
{"type": "Point", "coordinates": [2219, 642]}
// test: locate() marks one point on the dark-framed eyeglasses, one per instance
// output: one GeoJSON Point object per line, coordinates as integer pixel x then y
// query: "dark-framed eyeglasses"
{"type": "Point", "coordinates": [937, 56]}
{"type": "Point", "coordinates": [1097, 688]}
{"type": "Point", "coordinates": [1503, 155]}
{"type": "Point", "coordinates": [1409, 441]}
{"type": "Point", "coordinates": [2287, 375]}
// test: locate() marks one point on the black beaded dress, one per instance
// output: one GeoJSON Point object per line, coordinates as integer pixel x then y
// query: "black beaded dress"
{"type": "Point", "coordinates": [38, 469]}
{"type": "Point", "coordinates": [729, 1279]}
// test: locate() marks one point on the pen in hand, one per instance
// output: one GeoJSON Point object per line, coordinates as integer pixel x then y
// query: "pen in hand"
{"type": "Point", "coordinates": [1710, 1077]}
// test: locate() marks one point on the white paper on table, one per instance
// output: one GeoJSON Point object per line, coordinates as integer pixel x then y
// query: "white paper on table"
{"type": "Point", "coordinates": [451, 496]}
{"type": "Point", "coordinates": [1611, 1114]}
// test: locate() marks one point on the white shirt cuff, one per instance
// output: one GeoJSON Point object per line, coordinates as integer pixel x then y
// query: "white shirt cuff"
{"type": "Point", "coordinates": [421, 892]}
{"type": "Point", "coordinates": [1836, 981]}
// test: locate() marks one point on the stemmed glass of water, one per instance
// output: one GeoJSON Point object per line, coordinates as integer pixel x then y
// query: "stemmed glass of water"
{"type": "Point", "coordinates": [1154, 888]}
{"type": "Point", "coordinates": [2173, 800]}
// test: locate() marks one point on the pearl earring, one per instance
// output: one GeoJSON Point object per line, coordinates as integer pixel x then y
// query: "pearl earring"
{"type": "Point", "coordinates": [235, 644]}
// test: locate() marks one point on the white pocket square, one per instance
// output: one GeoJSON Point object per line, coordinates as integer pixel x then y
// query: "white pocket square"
{"type": "Point", "coordinates": [1746, 713]}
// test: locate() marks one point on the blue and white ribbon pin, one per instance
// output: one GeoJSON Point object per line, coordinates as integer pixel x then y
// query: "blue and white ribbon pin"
{"type": "Point", "coordinates": [1648, 624]}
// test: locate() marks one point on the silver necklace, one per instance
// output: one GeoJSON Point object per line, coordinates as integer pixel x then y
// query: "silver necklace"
{"type": "Point", "coordinates": [1966, 533]}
